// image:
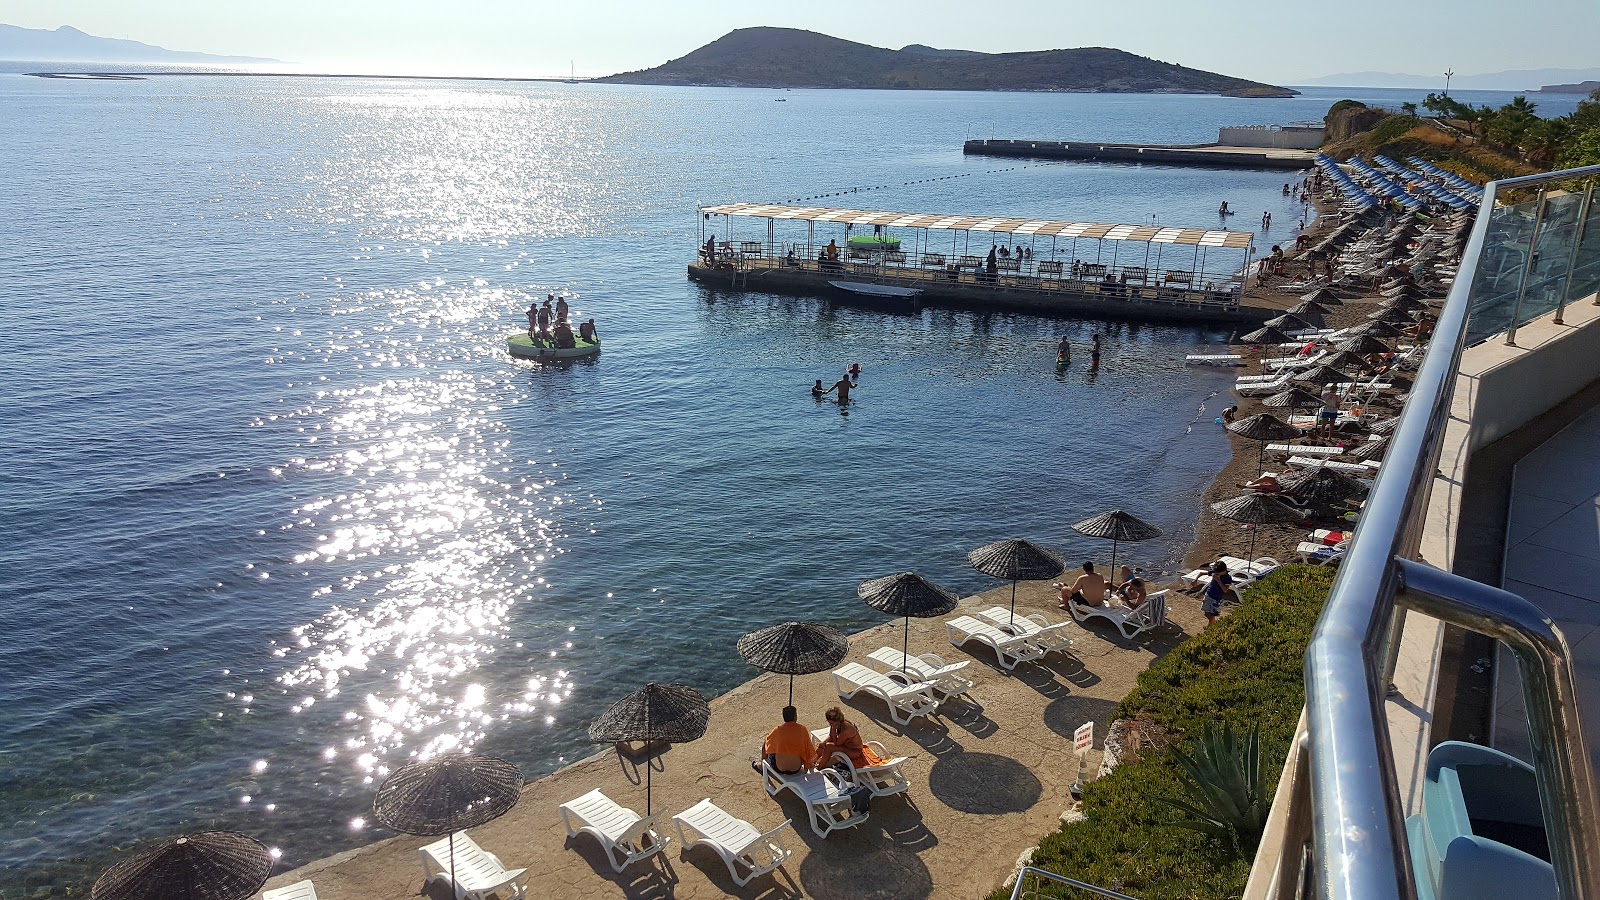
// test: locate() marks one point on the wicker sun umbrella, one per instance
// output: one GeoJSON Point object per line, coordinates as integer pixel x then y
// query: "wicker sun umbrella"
{"type": "Point", "coordinates": [1372, 449]}
{"type": "Point", "coordinates": [1321, 375]}
{"type": "Point", "coordinates": [1374, 329]}
{"type": "Point", "coordinates": [1320, 484]}
{"type": "Point", "coordinates": [1118, 526]}
{"type": "Point", "coordinates": [1346, 360]}
{"type": "Point", "coordinates": [1396, 317]}
{"type": "Point", "coordinates": [1322, 295]}
{"type": "Point", "coordinates": [1263, 427]}
{"type": "Point", "coordinates": [1016, 559]}
{"type": "Point", "coordinates": [1305, 307]}
{"type": "Point", "coordinates": [207, 865]}
{"type": "Point", "coordinates": [1387, 426]}
{"type": "Point", "coordinates": [447, 794]}
{"type": "Point", "coordinates": [668, 713]}
{"type": "Point", "coordinates": [1363, 343]}
{"type": "Point", "coordinates": [794, 648]}
{"type": "Point", "coordinates": [1257, 509]}
{"type": "Point", "coordinates": [1265, 335]}
{"type": "Point", "coordinates": [1293, 398]}
{"type": "Point", "coordinates": [907, 594]}
{"type": "Point", "coordinates": [1287, 322]}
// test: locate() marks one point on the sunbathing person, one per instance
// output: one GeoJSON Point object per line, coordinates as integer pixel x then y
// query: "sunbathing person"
{"type": "Point", "coordinates": [844, 737]}
{"type": "Point", "coordinates": [1133, 593]}
{"type": "Point", "coordinates": [1089, 589]}
{"type": "Point", "coordinates": [1266, 484]}
{"type": "Point", "coordinates": [788, 748]}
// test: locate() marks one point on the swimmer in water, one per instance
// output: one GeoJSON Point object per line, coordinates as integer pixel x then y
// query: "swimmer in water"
{"type": "Point", "coordinates": [854, 372]}
{"type": "Point", "coordinates": [843, 386]}
{"type": "Point", "coordinates": [1094, 353]}
{"type": "Point", "coordinates": [817, 391]}
{"type": "Point", "coordinates": [1063, 352]}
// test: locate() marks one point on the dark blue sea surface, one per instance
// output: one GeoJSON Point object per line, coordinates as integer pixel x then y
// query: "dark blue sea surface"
{"type": "Point", "coordinates": [279, 513]}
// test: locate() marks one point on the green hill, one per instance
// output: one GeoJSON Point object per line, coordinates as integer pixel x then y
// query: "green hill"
{"type": "Point", "coordinates": [788, 57]}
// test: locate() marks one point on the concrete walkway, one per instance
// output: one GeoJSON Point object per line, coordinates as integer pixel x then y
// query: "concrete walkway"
{"type": "Point", "coordinates": [1553, 559]}
{"type": "Point", "coordinates": [990, 777]}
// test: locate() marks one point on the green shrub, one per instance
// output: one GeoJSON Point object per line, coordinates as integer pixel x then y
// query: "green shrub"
{"type": "Point", "coordinates": [1246, 669]}
{"type": "Point", "coordinates": [1391, 129]}
{"type": "Point", "coordinates": [1346, 104]}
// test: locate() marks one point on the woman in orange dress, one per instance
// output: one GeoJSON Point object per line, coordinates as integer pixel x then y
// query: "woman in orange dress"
{"type": "Point", "coordinates": [844, 737]}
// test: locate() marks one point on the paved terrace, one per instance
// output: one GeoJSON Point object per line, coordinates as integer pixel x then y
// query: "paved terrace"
{"type": "Point", "coordinates": [989, 778]}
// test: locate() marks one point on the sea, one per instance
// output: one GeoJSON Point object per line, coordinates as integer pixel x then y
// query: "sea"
{"type": "Point", "coordinates": [279, 514]}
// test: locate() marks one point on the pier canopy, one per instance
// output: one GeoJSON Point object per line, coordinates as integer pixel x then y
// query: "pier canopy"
{"type": "Point", "coordinates": [1057, 228]}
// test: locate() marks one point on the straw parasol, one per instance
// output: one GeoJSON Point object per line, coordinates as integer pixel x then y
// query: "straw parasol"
{"type": "Point", "coordinates": [1016, 559]}
{"type": "Point", "coordinates": [1257, 509]}
{"type": "Point", "coordinates": [1321, 375]}
{"type": "Point", "coordinates": [1306, 307]}
{"type": "Point", "coordinates": [1320, 484]}
{"type": "Point", "coordinates": [1378, 329]}
{"type": "Point", "coordinates": [1263, 427]}
{"type": "Point", "coordinates": [1344, 359]}
{"type": "Point", "coordinates": [1390, 316]}
{"type": "Point", "coordinates": [1372, 449]}
{"type": "Point", "coordinates": [794, 648]}
{"type": "Point", "coordinates": [207, 865]}
{"type": "Point", "coordinates": [1288, 322]}
{"type": "Point", "coordinates": [1387, 426]}
{"type": "Point", "coordinates": [1322, 295]}
{"type": "Point", "coordinates": [1265, 335]}
{"type": "Point", "coordinates": [447, 794]}
{"type": "Point", "coordinates": [1293, 398]}
{"type": "Point", "coordinates": [1118, 526]}
{"type": "Point", "coordinates": [665, 713]}
{"type": "Point", "coordinates": [1364, 343]}
{"type": "Point", "coordinates": [907, 594]}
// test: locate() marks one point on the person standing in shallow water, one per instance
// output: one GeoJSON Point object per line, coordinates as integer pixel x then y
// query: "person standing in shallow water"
{"type": "Point", "coordinates": [843, 386]}
{"type": "Point", "coordinates": [1094, 353]}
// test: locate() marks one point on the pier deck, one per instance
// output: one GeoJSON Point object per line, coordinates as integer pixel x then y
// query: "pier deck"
{"type": "Point", "coordinates": [1203, 155]}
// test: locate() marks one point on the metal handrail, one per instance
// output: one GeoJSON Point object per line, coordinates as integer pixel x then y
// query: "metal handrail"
{"type": "Point", "coordinates": [1016, 892]}
{"type": "Point", "coordinates": [1358, 833]}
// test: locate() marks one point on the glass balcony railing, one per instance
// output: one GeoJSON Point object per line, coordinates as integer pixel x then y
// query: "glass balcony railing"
{"type": "Point", "coordinates": [1541, 251]}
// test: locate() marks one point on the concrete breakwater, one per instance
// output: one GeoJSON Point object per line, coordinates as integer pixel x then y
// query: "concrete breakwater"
{"type": "Point", "coordinates": [1203, 155]}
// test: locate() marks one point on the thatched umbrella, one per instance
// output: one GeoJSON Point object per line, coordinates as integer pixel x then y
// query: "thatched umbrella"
{"type": "Point", "coordinates": [1372, 449]}
{"type": "Point", "coordinates": [1344, 359]}
{"type": "Point", "coordinates": [665, 713]}
{"type": "Point", "coordinates": [1374, 329]}
{"type": "Point", "coordinates": [1320, 484]}
{"type": "Point", "coordinates": [1265, 335]}
{"type": "Point", "coordinates": [1293, 398]}
{"type": "Point", "coordinates": [907, 594]}
{"type": "Point", "coordinates": [1262, 428]}
{"type": "Point", "coordinates": [1016, 559]}
{"type": "Point", "coordinates": [1387, 426]}
{"type": "Point", "coordinates": [1322, 295]}
{"type": "Point", "coordinates": [1396, 317]}
{"type": "Point", "coordinates": [1118, 526]}
{"type": "Point", "coordinates": [1257, 509]}
{"type": "Point", "coordinates": [794, 648]}
{"type": "Point", "coordinates": [1362, 343]}
{"type": "Point", "coordinates": [1287, 323]}
{"type": "Point", "coordinates": [207, 865]}
{"type": "Point", "coordinates": [447, 794]}
{"type": "Point", "coordinates": [1321, 375]}
{"type": "Point", "coordinates": [1308, 307]}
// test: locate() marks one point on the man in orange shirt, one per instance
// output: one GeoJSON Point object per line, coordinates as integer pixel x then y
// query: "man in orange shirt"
{"type": "Point", "coordinates": [789, 748]}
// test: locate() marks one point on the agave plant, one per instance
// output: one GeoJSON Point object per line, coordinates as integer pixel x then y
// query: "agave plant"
{"type": "Point", "coordinates": [1227, 786]}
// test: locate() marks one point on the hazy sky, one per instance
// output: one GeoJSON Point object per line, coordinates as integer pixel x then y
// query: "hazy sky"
{"type": "Point", "coordinates": [1279, 41]}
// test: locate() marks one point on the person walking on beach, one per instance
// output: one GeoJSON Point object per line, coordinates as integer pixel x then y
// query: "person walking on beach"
{"type": "Point", "coordinates": [1217, 589]}
{"type": "Point", "coordinates": [1330, 410]}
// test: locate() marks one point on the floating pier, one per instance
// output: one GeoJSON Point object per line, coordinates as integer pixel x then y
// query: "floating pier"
{"type": "Point", "coordinates": [1042, 266]}
{"type": "Point", "coordinates": [1217, 156]}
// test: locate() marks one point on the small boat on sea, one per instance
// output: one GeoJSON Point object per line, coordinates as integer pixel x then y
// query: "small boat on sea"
{"type": "Point", "coordinates": [523, 347]}
{"type": "Point", "coordinates": [886, 296]}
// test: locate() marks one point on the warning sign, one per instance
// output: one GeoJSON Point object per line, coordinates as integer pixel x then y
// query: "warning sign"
{"type": "Point", "coordinates": [1083, 738]}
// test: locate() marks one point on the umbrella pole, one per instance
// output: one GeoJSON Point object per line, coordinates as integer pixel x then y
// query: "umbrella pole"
{"type": "Point", "coordinates": [1113, 557]}
{"type": "Point", "coordinates": [1253, 544]}
{"type": "Point", "coordinates": [1013, 601]}
{"type": "Point", "coordinates": [647, 768]}
{"type": "Point", "coordinates": [905, 646]}
{"type": "Point", "coordinates": [453, 861]}
{"type": "Point", "coordinates": [791, 690]}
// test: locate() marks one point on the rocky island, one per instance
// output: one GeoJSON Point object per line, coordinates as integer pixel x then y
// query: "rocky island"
{"type": "Point", "coordinates": [792, 58]}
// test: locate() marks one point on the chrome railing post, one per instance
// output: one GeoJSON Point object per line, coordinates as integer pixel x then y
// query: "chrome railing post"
{"type": "Point", "coordinates": [1561, 764]}
{"type": "Point", "coordinates": [1572, 258]}
{"type": "Point", "coordinates": [1528, 261]}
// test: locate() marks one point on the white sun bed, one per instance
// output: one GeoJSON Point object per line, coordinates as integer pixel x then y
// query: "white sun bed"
{"type": "Point", "coordinates": [1243, 571]}
{"type": "Point", "coordinates": [738, 842]}
{"type": "Point", "coordinates": [1302, 450]}
{"type": "Point", "coordinates": [623, 834]}
{"type": "Point", "coordinates": [1315, 553]}
{"type": "Point", "coordinates": [823, 793]}
{"type": "Point", "coordinates": [883, 780]}
{"type": "Point", "coordinates": [1152, 613]}
{"type": "Point", "coordinates": [1040, 631]}
{"type": "Point", "coordinates": [479, 874]}
{"type": "Point", "coordinates": [1308, 462]}
{"type": "Point", "coordinates": [300, 890]}
{"type": "Point", "coordinates": [1214, 359]}
{"type": "Point", "coordinates": [947, 679]}
{"type": "Point", "coordinates": [1009, 649]}
{"type": "Point", "coordinates": [906, 702]}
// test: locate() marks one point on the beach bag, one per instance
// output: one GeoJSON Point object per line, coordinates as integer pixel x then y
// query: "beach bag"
{"type": "Point", "coordinates": [860, 800]}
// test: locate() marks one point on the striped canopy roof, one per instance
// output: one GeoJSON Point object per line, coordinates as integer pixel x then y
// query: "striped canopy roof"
{"type": "Point", "coordinates": [1154, 234]}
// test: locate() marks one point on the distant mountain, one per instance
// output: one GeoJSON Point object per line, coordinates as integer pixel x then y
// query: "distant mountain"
{"type": "Point", "coordinates": [1585, 88]}
{"type": "Point", "coordinates": [1509, 80]}
{"type": "Point", "coordinates": [789, 57]}
{"type": "Point", "coordinates": [68, 44]}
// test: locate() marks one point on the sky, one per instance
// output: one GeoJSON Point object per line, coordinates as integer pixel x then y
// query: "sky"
{"type": "Point", "coordinates": [1276, 42]}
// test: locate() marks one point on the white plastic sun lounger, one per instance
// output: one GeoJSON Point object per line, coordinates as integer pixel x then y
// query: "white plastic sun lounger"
{"type": "Point", "coordinates": [1243, 571]}
{"type": "Point", "coordinates": [1307, 462]}
{"type": "Point", "coordinates": [883, 779]}
{"type": "Point", "coordinates": [479, 874]}
{"type": "Point", "coordinates": [927, 668]}
{"type": "Point", "coordinates": [623, 834]}
{"type": "Point", "coordinates": [1214, 359]}
{"type": "Point", "coordinates": [300, 890]}
{"type": "Point", "coordinates": [1302, 450]}
{"type": "Point", "coordinates": [1152, 613]}
{"type": "Point", "coordinates": [822, 791]}
{"type": "Point", "coordinates": [1313, 553]}
{"type": "Point", "coordinates": [738, 842]}
{"type": "Point", "coordinates": [906, 702]}
{"type": "Point", "coordinates": [1009, 649]}
{"type": "Point", "coordinates": [1040, 631]}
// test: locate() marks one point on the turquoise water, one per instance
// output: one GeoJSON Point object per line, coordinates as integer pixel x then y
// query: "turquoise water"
{"type": "Point", "coordinates": [280, 513]}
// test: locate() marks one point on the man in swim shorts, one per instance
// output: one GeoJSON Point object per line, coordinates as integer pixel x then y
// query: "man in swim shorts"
{"type": "Point", "coordinates": [843, 386]}
{"type": "Point", "coordinates": [1089, 589]}
{"type": "Point", "coordinates": [1329, 415]}
{"type": "Point", "coordinates": [533, 319]}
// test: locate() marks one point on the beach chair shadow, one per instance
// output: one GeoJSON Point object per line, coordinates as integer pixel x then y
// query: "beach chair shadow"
{"type": "Point", "coordinates": [650, 879]}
